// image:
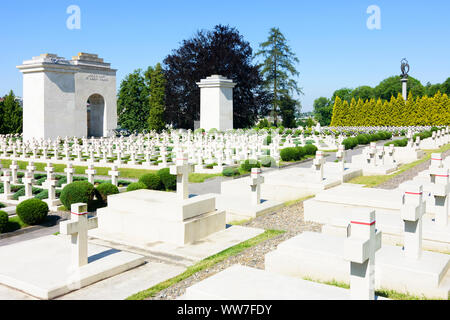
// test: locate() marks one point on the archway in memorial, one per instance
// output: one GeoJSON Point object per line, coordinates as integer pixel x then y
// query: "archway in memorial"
{"type": "Point", "coordinates": [95, 111]}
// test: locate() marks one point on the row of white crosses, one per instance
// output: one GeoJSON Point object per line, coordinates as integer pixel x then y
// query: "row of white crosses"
{"type": "Point", "coordinates": [10, 178]}
{"type": "Point", "coordinates": [379, 155]}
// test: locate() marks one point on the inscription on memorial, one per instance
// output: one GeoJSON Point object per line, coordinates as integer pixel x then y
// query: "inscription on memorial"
{"type": "Point", "coordinates": [97, 77]}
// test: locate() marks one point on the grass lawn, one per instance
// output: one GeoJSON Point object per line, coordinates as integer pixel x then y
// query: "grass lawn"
{"type": "Point", "coordinates": [206, 263]}
{"type": "Point", "coordinates": [201, 177]}
{"type": "Point", "coordinates": [373, 181]}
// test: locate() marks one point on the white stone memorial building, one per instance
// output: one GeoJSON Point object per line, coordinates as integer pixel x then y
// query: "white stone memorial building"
{"type": "Point", "coordinates": [68, 97]}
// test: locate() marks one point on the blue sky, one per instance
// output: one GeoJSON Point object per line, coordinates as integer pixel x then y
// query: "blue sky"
{"type": "Point", "coordinates": [331, 39]}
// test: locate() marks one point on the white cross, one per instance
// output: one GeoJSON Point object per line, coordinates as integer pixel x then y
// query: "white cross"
{"type": "Point", "coordinates": [69, 170]}
{"type": "Point", "coordinates": [359, 249]}
{"type": "Point", "coordinates": [440, 189]}
{"type": "Point", "coordinates": [13, 167]}
{"type": "Point", "coordinates": [380, 155]}
{"type": "Point", "coordinates": [412, 211]}
{"type": "Point", "coordinates": [7, 195]}
{"type": "Point", "coordinates": [114, 173]}
{"type": "Point", "coordinates": [49, 169]}
{"type": "Point", "coordinates": [50, 184]}
{"type": "Point", "coordinates": [318, 166]}
{"type": "Point", "coordinates": [436, 160]}
{"type": "Point", "coordinates": [182, 170]}
{"type": "Point", "coordinates": [255, 183]}
{"type": "Point", "coordinates": [78, 228]}
{"type": "Point", "coordinates": [340, 155]}
{"type": "Point", "coordinates": [27, 180]}
{"type": "Point", "coordinates": [90, 171]}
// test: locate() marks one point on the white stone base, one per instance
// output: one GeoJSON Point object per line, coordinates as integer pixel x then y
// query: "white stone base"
{"type": "Point", "coordinates": [284, 185]}
{"type": "Point", "coordinates": [156, 216]}
{"type": "Point", "coordinates": [42, 267]}
{"type": "Point", "coordinates": [320, 257]}
{"type": "Point", "coordinates": [240, 208]}
{"type": "Point", "coordinates": [245, 283]}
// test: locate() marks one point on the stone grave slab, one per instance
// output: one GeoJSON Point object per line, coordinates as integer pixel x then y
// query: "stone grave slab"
{"type": "Point", "coordinates": [52, 273]}
{"type": "Point", "coordinates": [245, 283]}
{"type": "Point", "coordinates": [126, 284]}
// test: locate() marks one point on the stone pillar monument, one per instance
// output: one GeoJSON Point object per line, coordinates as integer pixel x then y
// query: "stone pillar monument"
{"type": "Point", "coordinates": [216, 103]}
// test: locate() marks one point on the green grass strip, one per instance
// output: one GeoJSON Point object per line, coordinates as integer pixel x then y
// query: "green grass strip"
{"type": "Point", "coordinates": [206, 263]}
{"type": "Point", "coordinates": [201, 177]}
{"type": "Point", "coordinates": [390, 294]}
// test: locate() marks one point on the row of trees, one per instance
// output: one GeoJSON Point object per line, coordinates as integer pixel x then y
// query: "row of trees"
{"type": "Point", "coordinates": [386, 89]}
{"type": "Point", "coordinates": [10, 115]}
{"type": "Point", "coordinates": [416, 111]}
{"type": "Point", "coordinates": [168, 93]}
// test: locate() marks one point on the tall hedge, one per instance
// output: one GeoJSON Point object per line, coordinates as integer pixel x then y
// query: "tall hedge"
{"type": "Point", "coordinates": [419, 111]}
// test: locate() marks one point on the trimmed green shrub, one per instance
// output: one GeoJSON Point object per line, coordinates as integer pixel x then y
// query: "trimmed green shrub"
{"type": "Point", "coordinates": [32, 211]}
{"type": "Point", "coordinates": [152, 181]}
{"type": "Point", "coordinates": [3, 221]}
{"type": "Point", "coordinates": [362, 139]}
{"type": "Point", "coordinates": [106, 189]}
{"type": "Point", "coordinates": [136, 186]}
{"type": "Point", "coordinates": [2, 205]}
{"type": "Point", "coordinates": [300, 152]}
{"type": "Point", "coordinates": [230, 172]}
{"type": "Point", "coordinates": [248, 165]}
{"type": "Point", "coordinates": [350, 143]}
{"type": "Point", "coordinates": [397, 143]}
{"type": "Point", "coordinates": [288, 154]}
{"type": "Point", "coordinates": [267, 162]}
{"type": "Point", "coordinates": [169, 181]}
{"type": "Point", "coordinates": [77, 192]}
{"type": "Point", "coordinates": [310, 149]}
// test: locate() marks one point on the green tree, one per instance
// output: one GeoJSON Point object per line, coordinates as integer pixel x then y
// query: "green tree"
{"type": "Point", "coordinates": [221, 51]}
{"type": "Point", "coordinates": [289, 108]}
{"type": "Point", "coordinates": [364, 93]}
{"type": "Point", "coordinates": [133, 101]}
{"type": "Point", "coordinates": [278, 69]}
{"type": "Point", "coordinates": [445, 87]}
{"type": "Point", "coordinates": [157, 99]}
{"type": "Point", "coordinates": [392, 86]}
{"type": "Point", "coordinates": [343, 94]}
{"type": "Point", "coordinates": [432, 89]}
{"type": "Point", "coordinates": [323, 110]}
{"type": "Point", "coordinates": [11, 115]}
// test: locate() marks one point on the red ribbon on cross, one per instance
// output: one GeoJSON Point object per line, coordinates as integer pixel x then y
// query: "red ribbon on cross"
{"type": "Point", "coordinates": [363, 223]}
{"type": "Point", "coordinates": [80, 214]}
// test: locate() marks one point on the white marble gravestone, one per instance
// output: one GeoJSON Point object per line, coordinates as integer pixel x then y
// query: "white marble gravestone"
{"type": "Point", "coordinates": [68, 97]}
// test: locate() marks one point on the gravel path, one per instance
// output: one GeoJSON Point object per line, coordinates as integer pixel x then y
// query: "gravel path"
{"type": "Point", "coordinates": [408, 174]}
{"type": "Point", "coordinates": [289, 219]}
